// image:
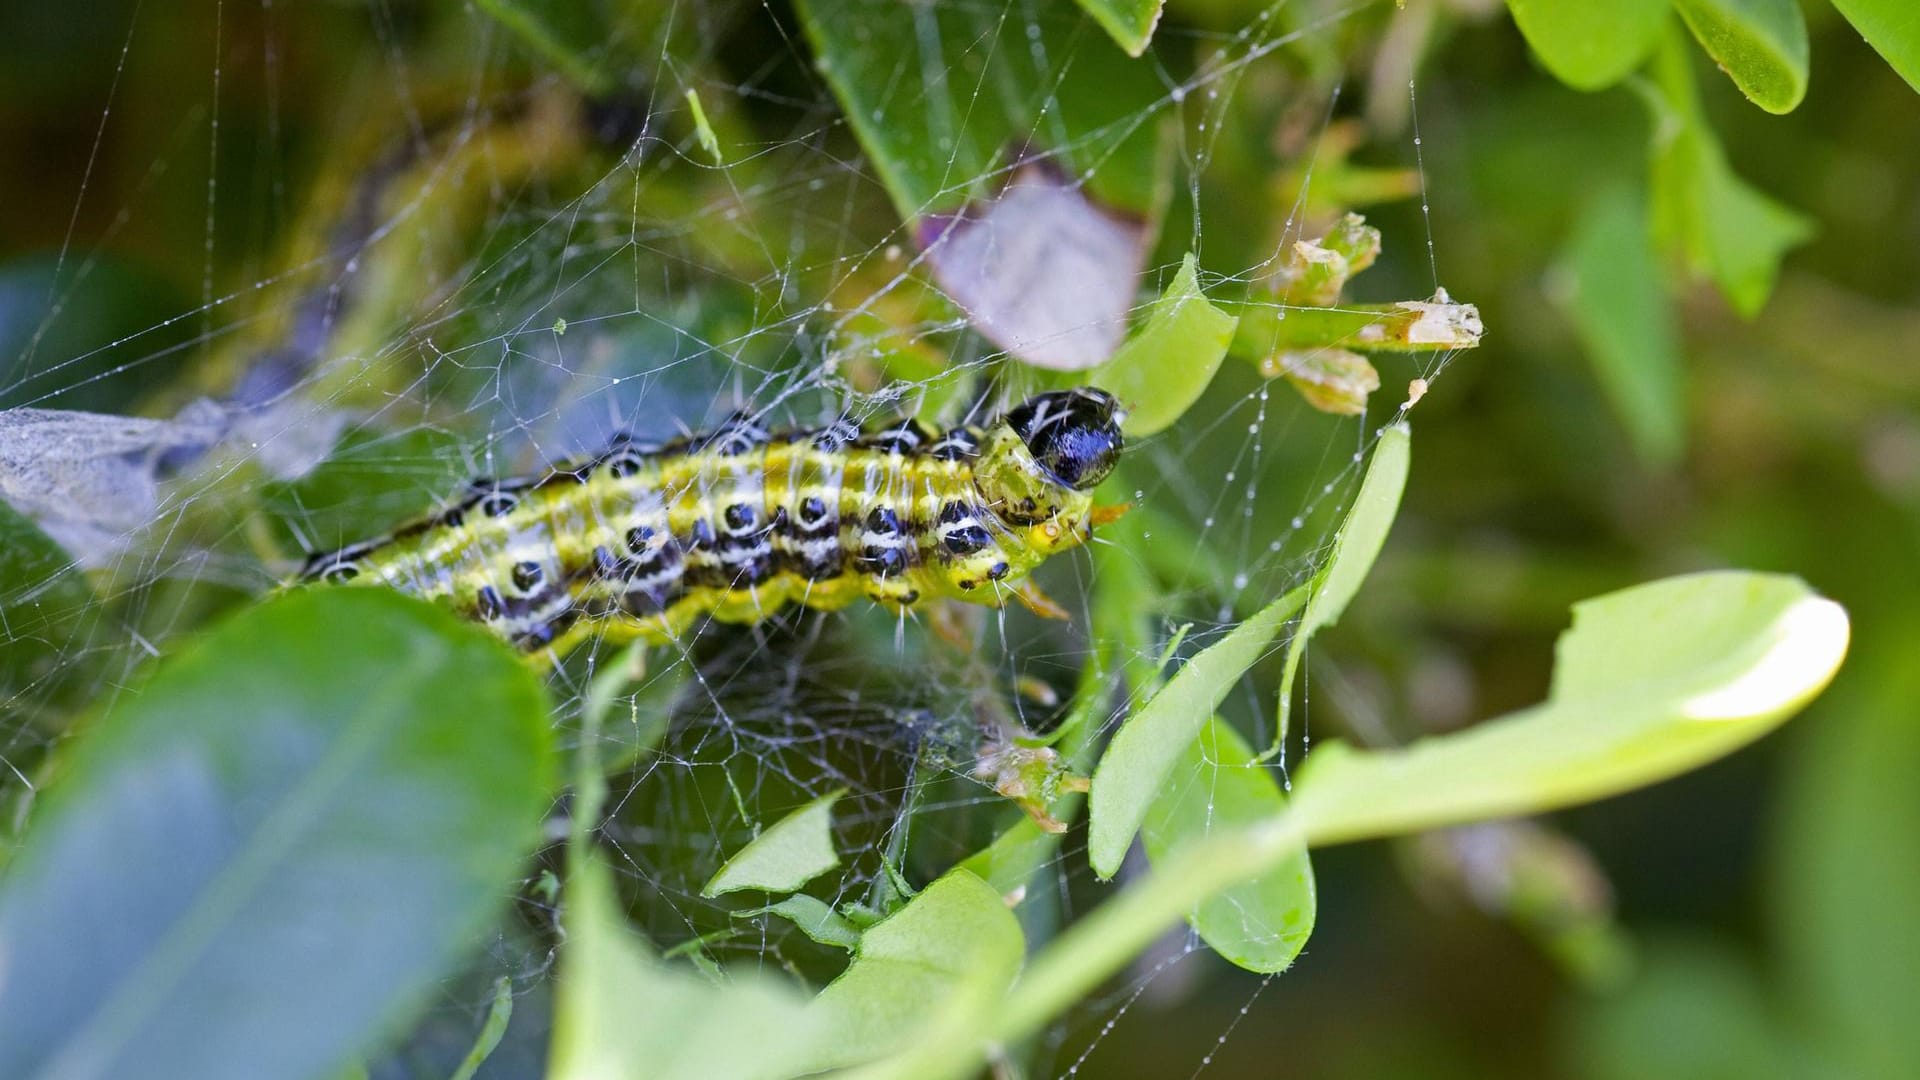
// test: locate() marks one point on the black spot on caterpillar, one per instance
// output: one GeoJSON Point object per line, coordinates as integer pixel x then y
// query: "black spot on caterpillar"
{"type": "Point", "coordinates": [645, 541]}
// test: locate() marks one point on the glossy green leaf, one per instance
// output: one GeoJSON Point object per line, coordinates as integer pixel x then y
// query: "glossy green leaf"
{"type": "Point", "coordinates": [945, 98]}
{"type": "Point", "coordinates": [1649, 682]}
{"type": "Point", "coordinates": [1134, 770]}
{"type": "Point", "coordinates": [1653, 680]}
{"type": "Point", "coordinates": [814, 918]}
{"type": "Point", "coordinates": [621, 1013]}
{"type": "Point", "coordinates": [1357, 544]}
{"type": "Point", "coordinates": [293, 827]}
{"type": "Point", "coordinates": [1717, 224]}
{"type": "Point", "coordinates": [1165, 367]}
{"type": "Point", "coordinates": [1892, 27]}
{"type": "Point", "coordinates": [793, 851]}
{"type": "Point", "coordinates": [1590, 44]}
{"type": "Point", "coordinates": [1130, 22]}
{"type": "Point", "coordinates": [937, 965]}
{"type": "Point", "coordinates": [1260, 924]}
{"type": "Point", "coordinates": [1619, 306]}
{"type": "Point", "coordinates": [1760, 44]}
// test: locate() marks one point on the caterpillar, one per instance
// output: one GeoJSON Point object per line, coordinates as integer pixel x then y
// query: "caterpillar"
{"type": "Point", "coordinates": [646, 541]}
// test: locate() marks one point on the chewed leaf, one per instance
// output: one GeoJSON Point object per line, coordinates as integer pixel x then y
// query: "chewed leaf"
{"type": "Point", "coordinates": [1359, 542]}
{"type": "Point", "coordinates": [620, 1013]}
{"type": "Point", "coordinates": [212, 844]}
{"type": "Point", "coordinates": [1650, 682]}
{"type": "Point", "coordinates": [1162, 370]}
{"type": "Point", "coordinates": [1260, 924]}
{"type": "Point", "coordinates": [1760, 44]}
{"type": "Point", "coordinates": [1317, 271]}
{"type": "Point", "coordinates": [1590, 44]}
{"type": "Point", "coordinates": [1134, 770]}
{"type": "Point", "coordinates": [936, 965]}
{"type": "Point", "coordinates": [793, 851]}
{"type": "Point", "coordinates": [814, 918]}
{"type": "Point", "coordinates": [1042, 270]}
{"type": "Point", "coordinates": [1331, 380]}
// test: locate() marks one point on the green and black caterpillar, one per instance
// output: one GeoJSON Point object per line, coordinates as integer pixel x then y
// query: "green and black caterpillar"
{"type": "Point", "coordinates": [647, 541]}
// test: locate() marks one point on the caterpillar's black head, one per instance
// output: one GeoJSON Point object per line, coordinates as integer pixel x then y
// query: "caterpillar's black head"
{"type": "Point", "coordinates": [1073, 434]}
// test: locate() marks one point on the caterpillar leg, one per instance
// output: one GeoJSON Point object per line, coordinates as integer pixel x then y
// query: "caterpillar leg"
{"type": "Point", "coordinates": [1107, 515]}
{"type": "Point", "coordinates": [1039, 603]}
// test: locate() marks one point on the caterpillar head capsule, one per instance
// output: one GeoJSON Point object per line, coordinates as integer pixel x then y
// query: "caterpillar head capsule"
{"type": "Point", "coordinates": [1042, 460]}
{"type": "Point", "coordinates": [1073, 435]}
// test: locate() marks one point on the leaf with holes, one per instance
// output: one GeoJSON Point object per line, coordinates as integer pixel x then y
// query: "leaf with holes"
{"type": "Point", "coordinates": [793, 851]}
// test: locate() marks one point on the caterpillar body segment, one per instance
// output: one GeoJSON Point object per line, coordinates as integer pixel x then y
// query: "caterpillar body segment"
{"type": "Point", "coordinates": [733, 525]}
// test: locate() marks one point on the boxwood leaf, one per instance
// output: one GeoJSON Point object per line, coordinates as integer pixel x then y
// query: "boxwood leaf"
{"type": "Point", "coordinates": [1260, 924]}
{"type": "Point", "coordinates": [1129, 22]}
{"type": "Point", "coordinates": [251, 866]}
{"type": "Point", "coordinates": [1892, 27]}
{"type": "Point", "coordinates": [1133, 771]}
{"type": "Point", "coordinates": [1164, 368]}
{"type": "Point", "coordinates": [620, 1012]}
{"type": "Point", "coordinates": [1649, 682]}
{"type": "Point", "coordinates": [945, 97]}
{"type": "Point", "coordinates": [1760, 44]}
{"type": "Point", "coordinates": [793, 851]}
{"type": "Point", "coordinates": [1619, 307]}
{"type": "Point", "coordinates": [938, 964]}
{"type": "Point", "coordinates": [1590, 44]}
{"type": "Point", "coordinates": [1355, 546]}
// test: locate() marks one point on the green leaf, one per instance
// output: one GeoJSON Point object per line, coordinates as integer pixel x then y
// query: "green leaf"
{"type": "Point", "coordinates": [1355, 547]}
{"type": "Point", "coordinates": [945, 98]}
{"type": "Point", "coordinates": [47, 618]}
{"type": "Point", "coordinates": [1619, 308]}
{"type": "Point", "coordinates": [499, 1015]}
{"type": "Point", "coordinates": [1134, 770]}
{"type": "Point", "coordinates": [1892, 27]}
{"type": "Point", "coordinates": [794, 851]}
{"type": "Point", "coordinates": [570, 35]}
{"type": "Point", "coordinates": [1693, 1011]}
{"type": "Point", "coordinates": [1656, 679]}
{"type": "Point", "coordinates": [619, 1012]}
{"type": "Point", "coordinates": [1130, 22]}
{"type": "Point", "coordinates": [1165, 367]}
{"type": "Point", "coordinates": [1847, 885]}
{"type": "Point", "coordinates": [1650, 682]}
{"type": "Point", "coordinates": [1260, 924]}
{"type": "Point", "coordinates": [1713, 221]}
{"type": "Point", "coordinates": [1760, 44]}
{"type": "Point", "coordinates": [1590, 44]}
{"type": "Point", "coordinates": [216, 845]}
{"type": "Point", "coordinates": [937, 965]}
{"type": "Point", "coordinates": [815, 918]}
